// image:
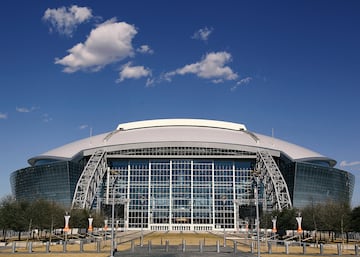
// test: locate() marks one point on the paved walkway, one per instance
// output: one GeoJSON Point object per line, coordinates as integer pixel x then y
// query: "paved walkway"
{"type": "Point", "coordinates": [207, 245]}
{"type": "Point", "coordinates": [178, 251]}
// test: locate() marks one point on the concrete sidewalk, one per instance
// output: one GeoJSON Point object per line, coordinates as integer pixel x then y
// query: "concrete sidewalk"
{"type": "Point", "coordinates": [178, 251]}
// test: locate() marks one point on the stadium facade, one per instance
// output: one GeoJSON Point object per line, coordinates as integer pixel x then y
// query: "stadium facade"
{"type": "Point", "coordinates": [183, 174]}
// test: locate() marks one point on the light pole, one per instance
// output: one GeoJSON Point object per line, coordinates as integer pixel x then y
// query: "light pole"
{"type": "Point", "coordinates": [112, 223]}
{"type": "Point", "coordinates": [256, 193]}
{"type": "Point", "coordinates": [113, 241]}
{"type": "Point", "coordinates": [113, 231]}
{"type": "Point", "coordinates": [224, 202]}
{"type": "Point", "coordinates": [142, 201]}
{"type": "Point", "coordinates": [237, 212]}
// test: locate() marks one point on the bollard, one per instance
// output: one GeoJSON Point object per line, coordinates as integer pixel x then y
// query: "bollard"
{"type": "Point", "coordinates": [200, 246]}
{"type": "Point", "coordinates": [30, 247]}
{"type": "Point", "coordinates": [304, 248]}
{"type": "Point", "coordinates": [47, 247]}
{"type": "Point", "coordinates": [235, 247]}
{"type": "Point", "coordinates": [149, 246]}
{"type": "Point", "coordinates": [217, 246]}
{"type": "Point", "coordinates": [356, 250]}
{"type": "Point", "coordinates": [269, 248]}
{"type": "Point", "coordinates": [64, 246]}
{"type": "Point", "coordinates": [166, 245]}
{"type": "Point", "coordinates": [252, 247]}
{"type": "Point", "coordinates": [321, 249]}
{"type": "Point", "coordinates": [14, 247]}
{"type": "Point", "coordinates": [286, 247]}
{"type": "Point", "coordinates": [81, 246]}
{"type": "Point", "coordinates": [132, 246]}
{"type": "Point", "coordinates": [115, 246]}
{"type": "Point", "coordinates": [98, 246]}
{"type": "Point", "coordinates": [183, 245]}
{"type": "Point", "coordinates": [339, 249]}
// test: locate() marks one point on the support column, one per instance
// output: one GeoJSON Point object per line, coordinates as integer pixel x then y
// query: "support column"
{"type": "Point", "coordinates": [192, 192]}
{"type": "Point", "coordinates": [170, 196]}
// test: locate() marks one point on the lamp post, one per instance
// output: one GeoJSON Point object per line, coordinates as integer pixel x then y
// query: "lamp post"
{"type": "Point", "coordinates": [112, 249]}
{"type": "Point", "coordinates": [113, 234]}
{"type": "Point", "coordinates": [256, 193]}
{"type": "Point", "coordinates": [113, 231]}
{"type": "Point", "coordinates": [142, 201]}
{"type": "Point", "coordinates": [237, 213]}
{"type": "Point", "coordinates": [224, 202]}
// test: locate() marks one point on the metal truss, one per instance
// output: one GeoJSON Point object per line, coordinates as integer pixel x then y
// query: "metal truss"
{"type": "Point", "coordinates": [276, 190]}
{"type": "Point", "coordinates": [90, 179]}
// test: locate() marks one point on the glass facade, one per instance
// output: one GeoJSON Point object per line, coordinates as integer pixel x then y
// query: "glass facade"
{"type": "Point", "coordinates": [166, 192]}
{"type": "Point", "coordinates": [310, 183]}
{"type": "Point", "coordinates": [53, 182]}
{"type": "Point", "coordinates": [182, 194]}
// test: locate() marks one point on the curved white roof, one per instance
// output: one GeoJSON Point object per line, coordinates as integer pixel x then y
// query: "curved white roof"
{"type": "Point", "coordinates": [181, 123]}
{"type": "Point", "coordinates": [178, 131]}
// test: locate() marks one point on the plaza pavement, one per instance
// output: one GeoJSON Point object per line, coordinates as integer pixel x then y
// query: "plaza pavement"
{"type": "Point", "coordinates": [196, 244]}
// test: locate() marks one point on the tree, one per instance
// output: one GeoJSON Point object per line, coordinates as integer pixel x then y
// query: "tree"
{"type": "Point", "coordinates": [4, 215]}
{"type": "Point", "coordinates": [43, 215]}
{"type": "Point", "coordinates": [286, 220]}
{"type": "Point", "coordinates": [46, 215]}
{"type": "Point", "coordinates": [355, 219]}
{"type": "Point", "coordinates": [79, 218]}
{"type": "Point", "coordinates": [330, 216]}
{"type": "Point", "coordinates": [14, 215]}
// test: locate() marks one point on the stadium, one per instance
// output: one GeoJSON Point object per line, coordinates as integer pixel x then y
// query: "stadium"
{"type": "Point", "coordinates": [183, 174]}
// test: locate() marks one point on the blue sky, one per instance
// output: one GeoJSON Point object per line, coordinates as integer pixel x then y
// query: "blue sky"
{"type": "Point", "coordinates": [71, 67]}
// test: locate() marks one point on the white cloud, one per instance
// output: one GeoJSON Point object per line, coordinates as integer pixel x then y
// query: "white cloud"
{"type": "Point", "coordinates": [22, 109]}
{"type": "Point", "coordinates": [25, 110]}
{"type": "Point", "coordinates": [84, 126]}
{"type": "Point", "coordinates": [133, 72]}
{"type": "Point", "coordinates": [65, 20]}
{"type": "Point", "coordinates": [212, 66]}
{"type": "Point", "coordinates": [150, 82]}
{"type": "Point", "coordinates": [3, 116]}
{"type": "Point", "coordinates": [349, 164]}
{"type": "Point", "coordinates": [217, 81]}
{"type": "Point", "coordinates": [46, 117]}
{"type": "Point", "coordinates": [108, 43]}
{"type": "Point", "coordinates": [145, 49]}
{"type": "Point", "coordinates": [203, 34]}
{"type": "Point", "coordinates": [243, 81]}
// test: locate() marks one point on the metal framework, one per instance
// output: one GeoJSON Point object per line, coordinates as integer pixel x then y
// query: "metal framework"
{"type": "Point", "coordinates": [277, 192]}
{"type": "Point", "coordinates": [90, 179]}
